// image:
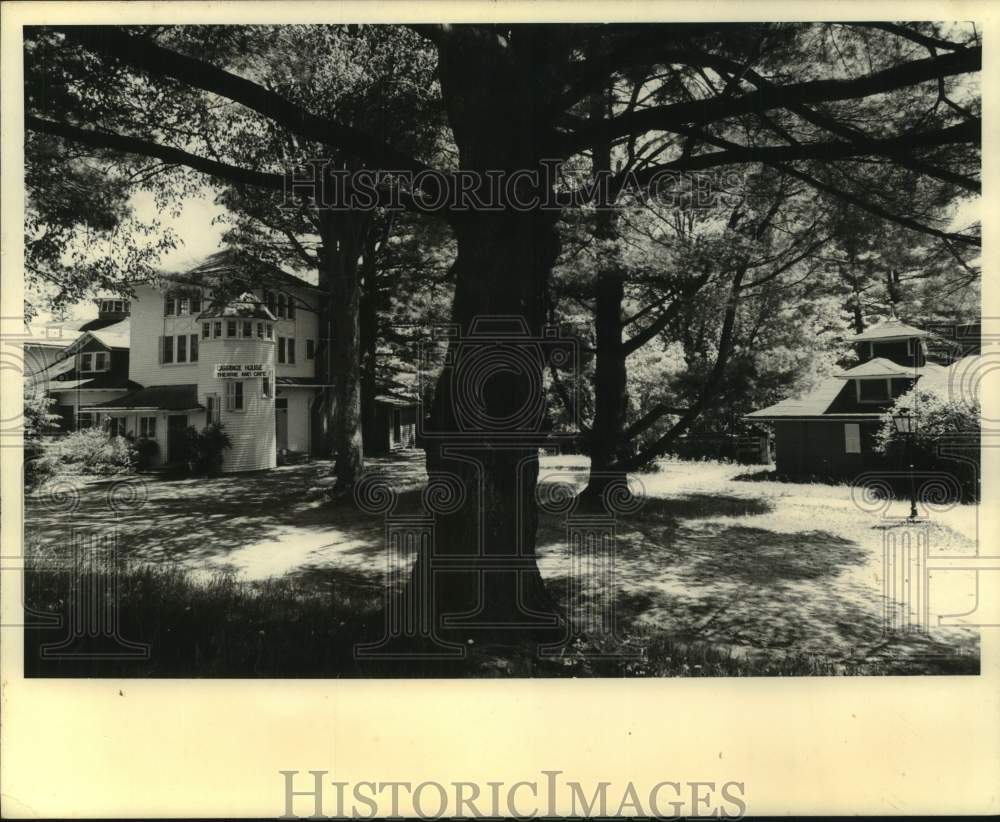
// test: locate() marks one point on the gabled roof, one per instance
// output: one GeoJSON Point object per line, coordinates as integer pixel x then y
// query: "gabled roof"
{"type": "Point", "coordinates": [157, 398]}
{"type": "Point", "coordinates": [877, 367]}
{"type": "Point", "coordinates": [113, 336]}
{"type": "Point", "coordinates": [888, 330]}
{"type": "Point", "coordinates": [818, 402]}
{"type": "Point", "coordinates": [234, 271]}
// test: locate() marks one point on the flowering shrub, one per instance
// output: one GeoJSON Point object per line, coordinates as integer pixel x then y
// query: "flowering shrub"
{"type": "Point", "coordinates": [942, 420]}
{"type": "Point", "coordinates": [91, 451]}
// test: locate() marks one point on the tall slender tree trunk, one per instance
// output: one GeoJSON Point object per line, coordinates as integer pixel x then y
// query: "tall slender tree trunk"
{"type": "Point", "coordinates": [341, 262]}
{"type": "Point", "coordinates": [608, 440]}
{"type": "Point", "coordinates": [369, 345]}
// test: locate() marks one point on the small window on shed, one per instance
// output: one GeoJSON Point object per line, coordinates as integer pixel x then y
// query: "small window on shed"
{"type": "Point", "coordinates": [852, 438]}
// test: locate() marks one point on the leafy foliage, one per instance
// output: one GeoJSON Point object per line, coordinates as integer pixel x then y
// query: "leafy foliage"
{"type": "Point", "coordinates": [90, 451]}
{"type": "Point", "coordinates": [940, 416]}
{"type": "Point", "coordinates": [205, 448]}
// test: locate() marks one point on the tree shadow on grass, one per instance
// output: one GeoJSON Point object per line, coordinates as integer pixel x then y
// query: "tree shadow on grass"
{"type": "Point", "coordinates": [756, 555]}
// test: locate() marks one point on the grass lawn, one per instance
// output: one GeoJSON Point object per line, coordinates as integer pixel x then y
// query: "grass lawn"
{"type": "Point", "coordinates": [721, 572]}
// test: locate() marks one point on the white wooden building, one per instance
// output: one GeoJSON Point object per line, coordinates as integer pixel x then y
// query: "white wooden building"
{"type": "Point", "coordinates": [228, 341]}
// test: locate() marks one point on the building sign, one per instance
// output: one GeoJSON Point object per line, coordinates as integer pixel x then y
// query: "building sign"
{"type": "Point", "coordinates": [240, 371]}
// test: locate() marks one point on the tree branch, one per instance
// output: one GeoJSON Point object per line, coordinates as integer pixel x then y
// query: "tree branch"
{"type": "Point", "coordinates": [668, 118]}
{"type": "Point", "coordinates": [146, 148]}
{"type": "Point", "coordinates": [160, 61]}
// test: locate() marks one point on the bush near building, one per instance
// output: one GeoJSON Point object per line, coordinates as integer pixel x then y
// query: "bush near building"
{"type": "Point", "coordinates": [39, 420]}
{"type": "Point", "coordinates": [90, 451]}
{"type": "Point", "coordinates": [947, 435]}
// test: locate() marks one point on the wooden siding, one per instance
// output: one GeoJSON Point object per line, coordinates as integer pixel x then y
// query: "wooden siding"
{"type": "Point", "coordinates": [251, 431]}
{"type": "Point", "coordinates": [818, 447]}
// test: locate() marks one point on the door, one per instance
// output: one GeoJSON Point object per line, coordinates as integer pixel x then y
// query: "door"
{"type": "Point", "coordinates": [281, 423]}
{"type": "Point", "coordinates": [176, 439]}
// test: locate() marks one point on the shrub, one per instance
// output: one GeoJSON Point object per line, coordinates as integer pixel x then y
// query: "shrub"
{"type": "Point", "coordinates": [39, 420]}
{"type": "Point", "coordinates": [91, 451]}
{"type": "Point", "coordinates": [942, 419]}
{"type": "Point", "coordinates": [205, 448]}
{"type": "Point", "coordinates": [147, 451]}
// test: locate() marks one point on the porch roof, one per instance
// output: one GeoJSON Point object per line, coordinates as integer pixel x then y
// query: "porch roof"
{"type": "Point", "coordinates": [156, 398]}
{"type": "Point", "coordinates": [299, 382]}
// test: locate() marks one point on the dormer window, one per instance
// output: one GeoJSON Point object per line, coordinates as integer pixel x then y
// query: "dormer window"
{"type": "Point", "coordinates": [180, 305]}
{"type": "Point", "coordinates": [95, 361]}
{"type": "Point", "coordinates": [113, 306]}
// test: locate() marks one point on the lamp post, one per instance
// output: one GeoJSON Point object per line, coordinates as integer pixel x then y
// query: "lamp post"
{"type": "Point", "coordinates": [906, 424]}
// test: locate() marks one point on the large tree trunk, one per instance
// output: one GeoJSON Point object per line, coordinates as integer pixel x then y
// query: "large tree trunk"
{"type": "Point", "coordinates": [480, 577]}
{"type": "Point", "coordinates": [486, 423]}
{"type": "Point", "coordinates": [340, 259]}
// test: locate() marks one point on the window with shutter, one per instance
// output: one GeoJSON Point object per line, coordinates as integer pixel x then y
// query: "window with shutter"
{"type": "Point", "coordinates": [194, 348]}
{"type": "Point", "coordinates": [182, 349]}
{"type": "Point", "coordinates": [234, 395]}
{"type": "Point", "coordinates": [168, 350]}
{"type": "Point", "coordinates": [281, 349]}
{"type": "Point", "coordinates": [291, 350]}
